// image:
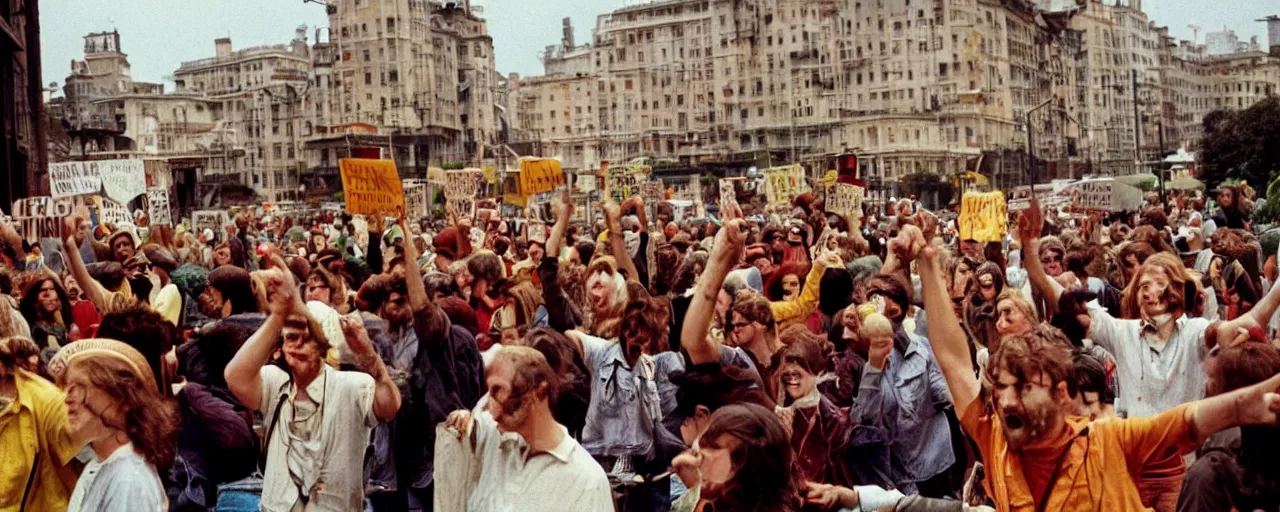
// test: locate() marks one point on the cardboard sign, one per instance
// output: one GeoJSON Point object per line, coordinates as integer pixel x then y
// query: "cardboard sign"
{"type": "Point", "coordinates": [158, 207]}
{"type": "Point", "coordinates": [35, 216]}
{"type": "Point", "coordinates": [372, 187]}
{"type": "Point", "coordinates": [845, 200]}
{"type": "Point", "coordinates": [782, 184]}
{"type": "Point", "coordinates": [728, 197]}
{"type": "Point", "coordinates": [461, 184]}
{"type": "Point", "coordinates": [122, 180]}
{"type": "Point", "coordinates": [540, 175]}
{"type": "Point", "coordinates": [490, 174]}
{"type": "Point", "coordinates": [586, 183]}
{"type": "Point", "coordinates": [111, 212]}
{"type": "Point", "coordinates": [209, 219]}
{"type": "Point", "coordinates": [415, 200]}
{"type": "Point", "coordinates": [74, 179]}
{"type": "Point", "coordinates": [983, 216]}
{"type": "Point", "coordinates": [624, 182]}
{"type": "Point", "coordinates": [652, 191]}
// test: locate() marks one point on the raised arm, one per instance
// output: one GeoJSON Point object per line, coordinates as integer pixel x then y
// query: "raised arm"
{"type": "Point", "coordinates": [413, 274]}
{"type": "Point", "coordinates": [94, 290]}
{"type": "Point", "coordinates": [386, 395]}
{"type": "Point", "coordinates": [1030, 224]}
{"type": "Point", "coordinates": [243, 372]}
{"type": "Point", "coordinates": [562, 209]}
{"type": "Point", "coordinates": [724, 256]}
{"type": "Point", "coordinates": [807, 300]}
{"type": "Point", "coordinates": [1232, 332]}
{"type": "Point", "coordinates": [613, 218]}
{"type": "Point", "coordinates": [946, 336]}
{"type": "Point", "coordinates": [1252, 405]}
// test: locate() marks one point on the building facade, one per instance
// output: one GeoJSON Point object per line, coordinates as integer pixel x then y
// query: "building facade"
{"type": "Point", "coordinates": [23, 145]}
{"type": "Point", "coordinates": [942, 87]}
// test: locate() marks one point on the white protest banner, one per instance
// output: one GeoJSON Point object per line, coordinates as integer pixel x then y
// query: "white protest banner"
{"type": "Point", "coordinates": [74, 179]}
{"type": "Point", "coordinates": [116, 214]}
{"type": "Point", "coordinates": [122, 180]}
{"type": "Point", "coordinates": [158, 207]}
{"type": "Point", "coordinates": [209, 219]}
{"type": "Point", "coordinates": [782, 184]}
{"type": "Point", "coordinates": [415, 200]}
{"type": "Point", "coordinates": [586, 183]}
{"type": "Point", "coordinates": [728, 197]}
{"type": "Point", "coordinates": [35, 215]}
{"type": "Point", "coordinates": [461, 184]}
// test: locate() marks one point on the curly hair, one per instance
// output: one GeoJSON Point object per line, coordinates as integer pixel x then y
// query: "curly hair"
{"type": "Point", "coordinates": [688, 272]}
{"type": "Point", "coordinates": [31, 295]}
{"type": "Point", "coordinates": [754, 307]}
{"type": "Point", "coordinates": [148, 418]}
{"type": "Point", "coordinates": [1043, 351]}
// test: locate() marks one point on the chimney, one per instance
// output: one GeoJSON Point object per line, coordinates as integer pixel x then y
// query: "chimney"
{"type": "Point", "coordinates": [222, 47]}
{"type": "Point", "coordinates": [567, 34]}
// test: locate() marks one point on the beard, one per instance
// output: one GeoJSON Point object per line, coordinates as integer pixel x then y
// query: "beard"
{"type": "Point", "coordinates": [1032, 423]}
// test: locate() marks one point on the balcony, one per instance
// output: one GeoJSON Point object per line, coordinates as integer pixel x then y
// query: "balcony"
{"type": "Point", "coordinates": [97, 124]}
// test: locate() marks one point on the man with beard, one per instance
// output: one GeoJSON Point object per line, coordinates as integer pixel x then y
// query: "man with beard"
{"type": "Point", "coordinates": [1159, 347]}
{"type": "Point", "coordinates": [317, 419]}
{"type": "Point", "coordinates": [436, 365]}
{"type": "Point", "coordinates": [1037, 457]}
{"type": "Point", "coordinates": [541, 470]}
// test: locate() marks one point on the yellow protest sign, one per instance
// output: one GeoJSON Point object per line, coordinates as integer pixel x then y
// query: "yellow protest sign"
{"type": "Point", "coordinates": [830, 178]}
{"type": "Point", "coordinates": [372, 187]}
{"type": "Point", "coordinates": [490, 174]}
{"type": "Point", "coordinates": [540, 175]}
{"type": "Point", "coordinates": [983, 216]}
{"type": "Point", "coordinates": [782, 184]}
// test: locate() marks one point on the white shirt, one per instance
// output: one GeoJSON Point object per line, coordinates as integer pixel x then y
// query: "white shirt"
{"type": "Point", "coordinates": [493, 472]}
{"type": "Point", "coordinates": [123, 482]}
{"type": "Point", "coordinates": [345, 406]}
{"type": "Point", "coordinates": [1153, 379]}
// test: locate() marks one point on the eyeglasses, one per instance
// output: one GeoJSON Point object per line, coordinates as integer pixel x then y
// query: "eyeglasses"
{"type": "Point", "coordinates": [1051, 259]}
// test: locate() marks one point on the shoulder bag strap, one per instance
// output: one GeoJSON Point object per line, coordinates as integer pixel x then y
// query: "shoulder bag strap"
{"type": "Point", "coordinates": [31, 478]}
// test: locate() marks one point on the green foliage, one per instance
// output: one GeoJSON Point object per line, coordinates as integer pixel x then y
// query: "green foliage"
{"type": "Point", "coordinates": [1242, 145]}
{"type": "Point", "coordinates": [453, 166]}
{"type": "Point", "coordinates": [1270, 212]}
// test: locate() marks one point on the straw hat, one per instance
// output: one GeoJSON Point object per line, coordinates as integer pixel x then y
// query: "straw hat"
{"type": "Point", "coordinates": [101, 347]}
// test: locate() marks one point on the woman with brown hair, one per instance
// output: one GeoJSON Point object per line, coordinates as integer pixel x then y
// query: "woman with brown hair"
{"type": "Point", "coordinates": [742, 462]}
{"type": "Point", "coordinates": [113, 406]}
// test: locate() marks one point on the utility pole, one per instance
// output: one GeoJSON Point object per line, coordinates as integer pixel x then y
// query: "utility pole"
{"type": "Point", "coordinates": [1137, 128]}
{"type": "Point", "coordinates": [1160, 126]}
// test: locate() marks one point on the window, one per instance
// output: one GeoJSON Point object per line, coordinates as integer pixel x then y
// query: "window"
{"type": "Point", "coordinates": [366, 55]}
{"type": "Point", "coordinates": [368, 78]}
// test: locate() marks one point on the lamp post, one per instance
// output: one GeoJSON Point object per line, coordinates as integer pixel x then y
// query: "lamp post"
{"type": "Point", "coordinates": [1030, 150]}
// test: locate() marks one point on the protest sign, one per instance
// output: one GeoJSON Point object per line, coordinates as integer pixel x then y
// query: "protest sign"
{"type": "Point", "coordinates": [782, 184]}
{"type": "Point", "coordinates": [540, 175]}
{"type": "Point", "coordinates": [728, 197]}
{"type": "Point", "coordinates": [490, 174]}
{"type": "Point", "coordinates": [122, 180]}
{"type": "Point", "coordinates": [845, 200]}
{"type": "Point", "coordinates": [209, 219]}
{"type": "Point", "coordinates": [415, 200]}
{"type": "Point", "coordinates": [372, 187]}
{"type": "Point", "coordinates": [586, 183]}
{"type": "Point", "coordinates": [624, 182]}
{"type": "Point", "coordinates": [35, 215]}
{"type": "Point", "coordinates": [652, 191]}
{"type": "Point", "coordinates": [461, 184]}
{"type": "Point", "coordinates": [158, 207]}
{"type": "Point", "coordinates": [74, 178]}
{"type": "Point", "coordinates": [113, 213]}
{"type": "Point", "coordinates": [1105, 194]}
{"type": "Point", "coordinates": [983, 216]}
{"type": "Point", "coordinates": [699, 208]}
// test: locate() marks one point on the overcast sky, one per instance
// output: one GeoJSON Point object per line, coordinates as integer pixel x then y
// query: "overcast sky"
{"type": "Point", "coordinates": [159, 34]}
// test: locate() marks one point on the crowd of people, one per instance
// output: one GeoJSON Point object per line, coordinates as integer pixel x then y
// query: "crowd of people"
{"type": "Point", "coordinates": [792, 361]}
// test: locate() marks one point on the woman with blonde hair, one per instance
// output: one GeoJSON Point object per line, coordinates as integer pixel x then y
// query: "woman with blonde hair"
{"type": "Point", "coordinates": [606, 291]}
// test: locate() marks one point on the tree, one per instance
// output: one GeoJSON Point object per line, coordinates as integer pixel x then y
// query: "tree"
{"type": "Point", "coordinates": [1242, 145]}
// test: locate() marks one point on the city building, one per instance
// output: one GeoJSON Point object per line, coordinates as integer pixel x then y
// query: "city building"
{"type": "Point", "coordinates": [23, 145]}
{"type": "Point", "coordinates": [993, 86]}
{"type": "Point", "coordinates": [257, 98]}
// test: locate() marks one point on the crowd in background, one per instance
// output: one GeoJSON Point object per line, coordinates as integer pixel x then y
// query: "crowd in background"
{"type": "Point", "coordinates": [795, 360]}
